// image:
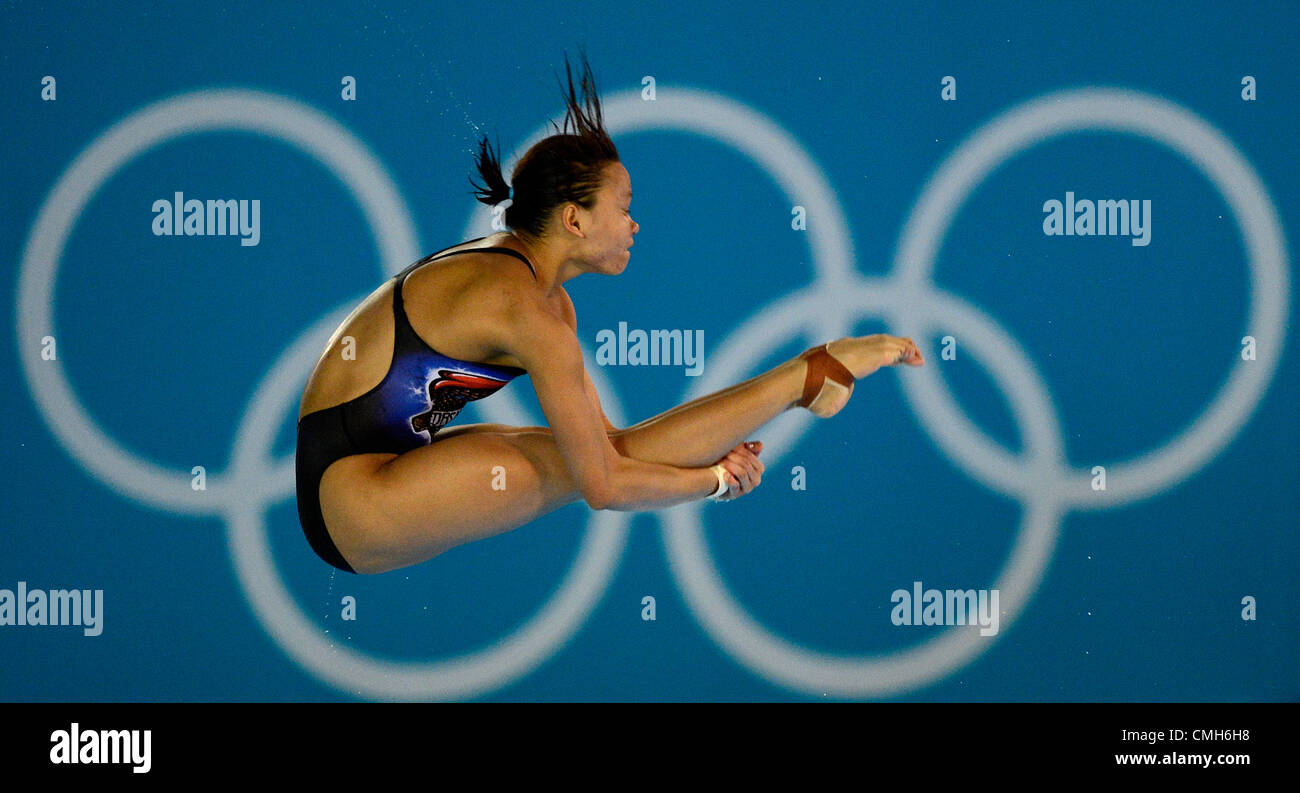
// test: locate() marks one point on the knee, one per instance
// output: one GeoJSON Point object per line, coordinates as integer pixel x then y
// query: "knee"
{"type": "Point", "coordinates": [362, 549]}
{"type": "Point", "coordinates": [369, 567]}
{"type": "Point", "coordinates": [375, 554]}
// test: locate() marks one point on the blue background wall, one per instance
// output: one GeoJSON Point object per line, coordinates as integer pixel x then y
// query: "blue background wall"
{"type": "Point", "coordinates": [164, 341]}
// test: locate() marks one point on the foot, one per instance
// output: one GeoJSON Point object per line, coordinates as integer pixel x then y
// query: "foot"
{"type": "Point", "coordinates": [851, 359]}
{"type": "Point", "coordinates": [863, 355]}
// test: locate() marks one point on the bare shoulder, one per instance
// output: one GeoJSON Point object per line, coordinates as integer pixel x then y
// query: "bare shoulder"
{"type": "Point", "coordinates": [511, 314]}
{"type": "Point", "coordinates": [461, 305]}
{"type": "Point", "coordinates": [501, 288]}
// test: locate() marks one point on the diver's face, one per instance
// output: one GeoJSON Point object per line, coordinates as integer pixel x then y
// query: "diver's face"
{"type": "Point", "coordinates": [614, 230]}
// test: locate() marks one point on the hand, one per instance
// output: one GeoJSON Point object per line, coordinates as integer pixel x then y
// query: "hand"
{"type": "Point", "coordinates": [744, 469]}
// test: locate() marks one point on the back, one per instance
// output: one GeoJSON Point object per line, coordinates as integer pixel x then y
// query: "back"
{"type": "Point", "coordinates": [437, 321]}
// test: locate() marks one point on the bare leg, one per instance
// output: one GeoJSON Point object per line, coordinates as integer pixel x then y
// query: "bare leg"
{"type": "Point", "coordinates": [701, 431]}
{"type": "Point", "coordinates": [387, 511]}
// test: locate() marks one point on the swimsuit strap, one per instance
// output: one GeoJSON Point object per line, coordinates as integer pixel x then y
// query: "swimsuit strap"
{"type": "Point", "coordinates": [492, 249]}
{"type": "Point", "coordinates": [405, 336]}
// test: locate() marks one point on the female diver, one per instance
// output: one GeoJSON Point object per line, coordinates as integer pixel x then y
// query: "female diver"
{"type": "Point", "coordinates": [381, 485]}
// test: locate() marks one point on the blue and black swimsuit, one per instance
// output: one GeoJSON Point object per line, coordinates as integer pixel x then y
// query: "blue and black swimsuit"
{"type": "Point", "coordinates": [422, 391]}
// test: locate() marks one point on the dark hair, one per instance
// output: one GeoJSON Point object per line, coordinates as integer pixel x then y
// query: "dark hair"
{"type": "Point", "coordinates": [563, 167]}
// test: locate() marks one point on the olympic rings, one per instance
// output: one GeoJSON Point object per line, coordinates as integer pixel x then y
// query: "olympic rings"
{"type": "Point", "coordinates": [827, 308]}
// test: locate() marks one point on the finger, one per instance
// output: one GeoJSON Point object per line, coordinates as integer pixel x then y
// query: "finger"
{"type": "Point", "coordinates": [736, 490]}
{"type": "Point", "coordinates": [750, 476]}
{"type": "Point", "coordinates": [750, 462]}
{"type": "Point", "coordinates": [737, 469]}
{"type": "Point", "coordinates": [743, 457]}
{"type": "Point", "coordinates": [733, 484]}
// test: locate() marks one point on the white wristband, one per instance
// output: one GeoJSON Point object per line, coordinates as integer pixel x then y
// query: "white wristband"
{"type": "Point", "coordinates": [723, 487]}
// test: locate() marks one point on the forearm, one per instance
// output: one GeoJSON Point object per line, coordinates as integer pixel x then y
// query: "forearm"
{"type": "Point", "coordinates": [639, 486]}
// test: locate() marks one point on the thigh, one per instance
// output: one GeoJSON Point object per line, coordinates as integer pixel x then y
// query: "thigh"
{"type": "Point", "coordinates": [388, 511]}
{"type": "Point", "coordinates": [473, 429]}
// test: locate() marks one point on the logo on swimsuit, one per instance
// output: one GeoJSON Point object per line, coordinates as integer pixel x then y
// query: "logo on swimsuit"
{"type": "Point", "coordinates": [448, 393]}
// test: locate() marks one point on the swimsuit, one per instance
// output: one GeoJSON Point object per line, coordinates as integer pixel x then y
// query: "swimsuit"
{"type": "Point", "coordinates": [422, 391]}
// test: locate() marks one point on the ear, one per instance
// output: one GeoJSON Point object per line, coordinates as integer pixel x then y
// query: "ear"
{"type": "Point", "coordinates": [572, 220]}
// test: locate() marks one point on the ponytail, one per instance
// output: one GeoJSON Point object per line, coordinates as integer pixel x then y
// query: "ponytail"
{"type": "Point", "coordinates": [565, 167]}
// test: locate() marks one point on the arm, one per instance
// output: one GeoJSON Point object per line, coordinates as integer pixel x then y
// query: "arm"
{"type": "Point", "coordinates": [594, 398]}
{"type": "Point", "coordinates": [571, 319]}
{"type": "Point", "coordinates": [547, 347]}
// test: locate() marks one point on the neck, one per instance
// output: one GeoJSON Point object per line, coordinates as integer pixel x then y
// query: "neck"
{"type": "Point", "coordinates": [554, 264]}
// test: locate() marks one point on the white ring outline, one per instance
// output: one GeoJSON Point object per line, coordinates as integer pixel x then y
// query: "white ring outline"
{"type": "Point", "coordinates": [252, 483]}
{"type": "Point", "coordinates": [1209, 150]}
{"type": "Point", "coordinates": [354, 671]}
{"type": "Point", "coordinates": [624, 112]}
{"type": "Point", "coordinates": [777, 659]}
{"type": "Point", "coordinates": [792, 666]}
{"type": "Point", "coordinates": [168, 118]}
{"type": "Point", "coordinates": [466, 675]}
